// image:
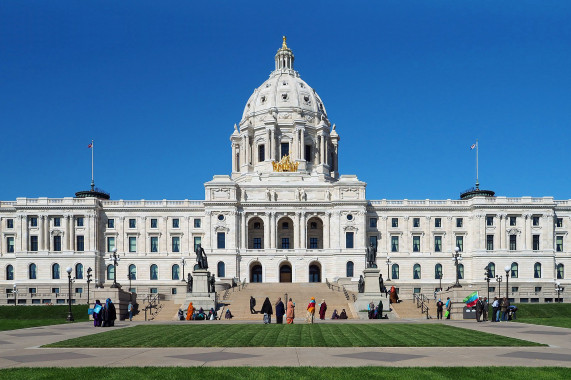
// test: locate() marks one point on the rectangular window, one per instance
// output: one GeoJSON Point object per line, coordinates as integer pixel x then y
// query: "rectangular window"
{"type": "Point", "coordinates": [33, 221]}
{"type": "Point", "coordinates": [257, 243]}
{"type": "Point", "coordinates": [308, 153]}
{"type": "Point", "coordinates": [261, 153]}
{"type": "Point", "coordinates": [512, 221]}
{"type": "Point", "coordinates": [394, 243]}
{"type": "Point", "coordinates": [558, 223]}
{"type": "Point", "coordinates": [459, 222]}
{"type": "Point", "coordinates": [175, 223]}
{"type": "Point", "coordinates": [395, 222]}
{"type": "Point", "coordinates": [535, 220]}
{"type": "Point", "coordinates": [132, 223]}
{"type": "Point", "coordinates": [154, 244]}
{"type": "Point", "coordinates": [437, 222]}
{"type": "Point", "coordinates": [153, 290]}
{"type": "Point", "coordinates": [515, 289]}
{"type": "Point", "coordinates": [536, 242]}
{"type": "Point", "coordinates": [55, 290]}
{"type": "Point", "coordinates": [349, 239]}
{"type": "Point", "coordinates": [416, 243]}
{"type": "Point", "coordinates": [176, 244]}
{"type": "Point", "coordinates": [489, 220]}
{"type": "Point", "coordinates": [313, 243]}
{"type": "Point", "coordinates": [373, 241]}
{"type": "Point", "coordinates": [110, 244]}
{"type": "Point", "coordinates": [79, 221]}
{"type": "Point", "coordinates": [221, 240]}
{"type": "Point", "coordinates": [9, 223]}
{"type": "Point", "coordinates": [513, 245]}
{"type": "Point", "coordinates": [57, 243]}
{"type": "Point", "coordinates": [438, 244]}
{"type": "Point", "coordinates": [79, 290]}
{"type": "Point", "coordinates": [10, 244]}
{"type": "Point", "coordinates": [416, 222]}
{"type": "Point", "coordinates": [492, 289]}
{"type": "Point", "coordinates": [490, 242]}
{"type": "Point", "coordinates": [284, 149]}
{"type": "Point", "coordinates": [559, 243]}
{"type": "Point", "coordinates": [132, 244]}
{"type": "Point", "coordinates": [538, 289]}
{"type": "Point", "coordinates": [196, 223]}
{"type": "Point", "coordinates": [285, 243]}
{"type": "Point", "coordinates": [110, 223]}
{"type": "Point", "coordinates": [80, 243]}
{"type": "Point", "coordinates": [373, 222]}
{"type": "Point", "coordinates": [154, 223]}
{"type": "Point", "coordinates": [197, 242]}
{"type": "Point", "coordinates": [173, 290]}
{"type": "Point", "coordinates": [460, 243]}
{"type": "Point", "coordinates": [57, 222]}
{"type": "Point", "coordinates": [32, 290]}
{"type": "Point", "coordinates": [33, 243]}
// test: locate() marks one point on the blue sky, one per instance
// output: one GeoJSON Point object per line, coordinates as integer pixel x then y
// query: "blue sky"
{"type": "Point", "coordinates": [410, 84]}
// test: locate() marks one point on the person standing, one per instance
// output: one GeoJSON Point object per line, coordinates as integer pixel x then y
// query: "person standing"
{"type": "Point", "coordinates": [280, 311]}
{"type": "Point", "coordinates": [130, 311]}
{"type": "Point", "coordinates": [505, 307]}
{"type": "Point", "coordinates": [448, 307]}
{"type": "Point", "coordinates": [439, 309]}
{"type": "Point", "coordinates": [290, 312]}
{"type": "Point", "coordinates": [97, 314]}
{"type": "Point", "coordinates": [495, 309]}
{"type": "Point", "coordinates": [189, 312]}
{"type": "Point", "coordinates": [322, 310]}
{"type": "Point", "coordinates": [486, 309]}
{"type": "Point", "coordinates": [252, 304]}
{"type": "Point", "coordinates": [311, 310]}
{"type": "Point", "coordinates": [371, 309]}
{"type": "Point", "coordinates": [479, 308]}
{"type": "Point", "coordinates": [267, 311]}
{"type": "Point", "coordinates": [381, 283]}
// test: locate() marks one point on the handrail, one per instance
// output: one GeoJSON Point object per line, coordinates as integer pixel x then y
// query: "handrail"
{"type": "Point", "coordinates": [420, 298]}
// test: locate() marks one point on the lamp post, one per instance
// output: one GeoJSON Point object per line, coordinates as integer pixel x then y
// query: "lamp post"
{"type": "Point", "coordinates": [89, 275]}
{"type": "Point", "coordinates": [487, 278]}
{"type": "Point", "coordinates": [69, 315]}
{"type": "Point", "coordinates": [440, 282]}
{"type": "Point", "coordinates": [507, 269]}
{"type": "Point", "coordinates": [183, 263]}
{"type": "Point", "coordinates": [499, 281]}
{"type": "Point", "coordinates": [114, 257]}
{"type": "Point", "coordinates": [557, 287]}
{"type": "Point", "coordinates": [15, 291]}
{"type": "Point", "coordinates": [456, 256]}
{"type": "Point", "coordinates": [388, 268]}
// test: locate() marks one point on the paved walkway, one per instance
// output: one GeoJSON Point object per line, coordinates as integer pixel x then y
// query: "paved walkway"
{"type": "Point", "coordinates": [20, 348]}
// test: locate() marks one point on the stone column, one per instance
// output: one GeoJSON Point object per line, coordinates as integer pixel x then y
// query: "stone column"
{"type": "Point", "coordinates": [321, 149]}
{"type": "Point", "coordinates": [303, 231]}
{"type": "Point", "coordinates": [268, 145]}
{"type": "Point", "coordinates": [502, 230]}
{"type": "Point", "coordinates": [449, 232]}
{"type": "Point", "coordinates": [296, 232]}
{"type": "Point", "coordinates": [273, 145]}
{"type": "Point", "coordinates": [385, 234]}
{"type": "Point", "coordinates": [243, 241]}
{"type": "Point", "coordinates": [87, 232]}
{"type": "Point", "coordinates": [24, 232]}
{"type": "Point", "coordinates": [65, 238]}
{"type": "Point", "coordinates": [72, 233]}
{"type": "Point", "coordinates": [207, 243]}
{"type": "Point", "coordinates": [266, 239]}
{"type": "Point", "coordinates": [527, 238]}
{"type": "Point", "coordinates": [302, 155]}
{"type": "Point", "coordinates": [326, 232]}
{"type": "Point", "coordinates": [427, 241]}
{"type": "Point", "coordinates": [144, 244]}
{"type": "Point", "coordinates": [406, 236]}
{"type": "Point", "coordinates": [41, 234]}
{"type": "Point", "coordinates": [233, 157]}
{"type": "Point", "coordinates": [163, 235]}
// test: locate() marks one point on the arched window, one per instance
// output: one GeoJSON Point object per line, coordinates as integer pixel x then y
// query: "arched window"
{"type": "Point", "coordinates": [350, 268]}
{"type": "Point", "coordinates": [154, 272]}
{"type": "Point", "coordinates": [537, 270]}
{"type": "Point", "coordinates": [460, 271]}
{"type": "Point", "coordinates": [514, 270]}
{"type": "Point", "coordinates": [32, 271]}
{"type": "Point", "coordinates": [560, 271]}
{"type": "Point", "coordinates": [221, 269]}
{"type": "Point", "coordinates": [133, 271]}
{"type": "Point", "coordinates": [395, 272]}
{"type": "Point", "coordinates": [79, 271]}
{"type": "Point", "coordinates": [491, 270]}
{"type": "Point", "coordinates": [10, 272]}
{"type": "Point", "coordinates": [438, 271]}
{"type": "Point", "coordinates": [110, 272]}
{"type": "Point", "coordinates": [175, 272]}
{"type": "Point", "coordinates": [416, 272]}
{"type": "Point", "coordinates": [55, 272]}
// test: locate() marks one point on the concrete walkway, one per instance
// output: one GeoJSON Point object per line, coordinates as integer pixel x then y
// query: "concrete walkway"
{"type": "Point", "coordinates": [20, 348]}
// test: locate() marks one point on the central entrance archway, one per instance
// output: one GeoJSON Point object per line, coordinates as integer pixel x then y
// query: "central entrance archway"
{"type": "Point", "coordinates": [285, 272]}
{"type": "Point", "coordinates": [256, 272]}
{"type": "Point", "coordinates": [314, 272]}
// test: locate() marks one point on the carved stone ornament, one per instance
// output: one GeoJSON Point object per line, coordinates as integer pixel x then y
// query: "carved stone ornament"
{"type": "Point", "coordinates": [513, 231]}
{"type": "Point", "coordinates": [285, 165]}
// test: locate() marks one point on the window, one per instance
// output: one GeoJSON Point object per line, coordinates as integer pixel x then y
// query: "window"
{"type": "Point", "coordinates": [221, 240]}
{"type": "Point", "coordinates": [536, 242]}
{"type": "Point", "coordinates": [133, 223]}
{"type": "Point", "coordinates": [10, 244]}
{"type": "Point", "coordinates": [535, 220]}
{"type": "Point", "coordinates": [459, 222]}
{"type": "Point", "coordinates": [559, 222]}
{"type": "Point", "coordinates": [221, 267]}
{"type": "Point", "coordinates": [110, 244]}
{"type": "Point", "coordinates": [538, 289]}
{"type": "Point", "coordinates": [515, 289]}
{"type": "Point", "coordinates": [313, 243]}
{"type": "Point", "coordinates": [9, 223]}
{"type": "Point", "coordinates": [176, 244]}
{"type": "Point", "coordinates": [175, 272]}
{"type": "Point", "coordinates": [285, 225]}
{"type": "Point", "coordinates": [80, 243]}
{"type": "Point", "coordinates": [78, 291]}
{"type": "Point", "coordinates": [196, 223]}
{"type": "Point", "coordinates": [132, 244]}
{"type": "Point", "coordinates": [154, 223]}
{"type": "Point", "coordinates": [133, 271]}
{"type": "Point", "coordinates": [10, 272]}
{"type": "Point", "coordinates": [513, 242]}
{"type": "Point", "coordinates": [57, 221]}
{"type": "Point", "coordinates": [460, 243]}
{"type": "Point", "coordinates": [285, 243]}
{"type": "Point", "coordinates": [284, 149]}
{"type": "Point", "coordinates": [438, 271]}
{"type": "Point", "coordinates": [492, 289]}
{"type": "Point", "coordinates": [416, 243]}
{"type": "Point", "coordinates": [491, 270]}
{"type": "Point", "coordinates": [79, 221]}
{"type": "Point", "coordinates": [349, 239]}
{"type": "Point", "coordinates": [32, 290]}
{"type": "Point", "coordinates": [460, 271]}
{"type": "Point", "coordinates": [416, 222]}
{"type": "Point", "coordinates": [395, 222]}
{"type": "Point", "coordinates": [79, 271]}
{"type": "Point", "coordinates": [57, 243]}
{"type": "Point", "coordinates": [512, 221]}
{"type": "Point", "coordinates": [437, 222]}
{"type": "Point", "coordinates": [537, 270]}
{"type": "Point", "coordinates": [394, 243]}
{"type": "Point", "coordinates": [349, 217]}
{"type": "Point", "coordinates": [489, 220]}
{"type": "Point", "coordinates": [257, 243]}
{"type": "Point", "coordinates": [33, 243]}
{"type": "Point", "coordinates": [197, 242]}
{"type": "Point", "coordinates": [416, 272]}
{"type": "Point", "coordinates": [514, 270]}
{"type": "Point", "coordinates": [33, 221]}
{"type": "Point", "coordinates": [373, 241]}
{"type": "Point", "coordinates": [373, 222]}
{"type": "Point", "coordinates": [154, 244]}
{"type": "Point", "coordinates": [153, 290]}
{"type": "Point", "coordinates": [490, 242]}
{"type": "Point", "coordinates": [350, 269]}
{"type": "Point", "coordinates": [438, 244]}
{"type": "Point", "coordinates": [110, 223]}
{"type": "Point", "coordinates": [32, 271]}
{"type": "Point", "coordinates": [55, 290]}
{"type": "Point", "coordinates": [261, 153]}
{"type": "Point", "coordinates": [560, 272]}
{"type": "Point", "coordinates": [154, 272]}
{"type": "Point", "coordinates": [559, 243]}
{"type": "Point", "coordinates": [395, 271]}
{"type": "Point", "coordinates": [175, 223]}
{"type": "Point", "coordinates": [110, 272]}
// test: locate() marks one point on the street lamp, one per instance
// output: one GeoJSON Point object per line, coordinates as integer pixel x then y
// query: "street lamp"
{"type": "Point", "coordinates": [507, 269]}
{"type": "Point", "coordinates": [69, 315]}
{"type": "Point", "coordinates": [183, 263]}
{"type": "Point", "coordinates": [114, 257]}
{"type": "Point", "coordinates": [15, 291]}
{"type": "Point", "coordinates": [499, 281]}
{"type": "Point", "coordinates": [487, 278]}
{"type": "Point", "coordinates": [456, 256]}
{"type": "Point", "coordinates": [557, 287]}
{"type": "Point", "coordinates": [89, 275]}
{"type": "Point", "coordinates": [388, 268]}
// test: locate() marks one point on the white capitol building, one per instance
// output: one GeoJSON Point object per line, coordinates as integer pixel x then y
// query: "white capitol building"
{"type": "Point", "coordinates": [284, 214]}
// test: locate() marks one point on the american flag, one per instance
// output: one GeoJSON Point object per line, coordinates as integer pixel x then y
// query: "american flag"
{"type": "Point", "coordinates": [90, 145]}
{"type": "Point", "coordinates": [472, 146]}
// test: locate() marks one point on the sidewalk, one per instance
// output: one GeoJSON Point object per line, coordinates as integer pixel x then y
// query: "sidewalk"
{"type": "Point", "coordinates": [20, 348]}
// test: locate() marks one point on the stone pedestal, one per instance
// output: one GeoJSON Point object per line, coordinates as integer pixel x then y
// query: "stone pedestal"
{"type": "Point", "coordinates": [118, 296]}
{"type": "Point", "coordinates": [372, 291]}
{"type": "Point", "coordinates": [457, 296]}
{"type": "Point", "coordinates": [200, 295]}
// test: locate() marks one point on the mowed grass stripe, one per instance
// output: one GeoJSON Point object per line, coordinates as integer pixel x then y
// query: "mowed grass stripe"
{"type": "Point", "coordinates": [298, 335]}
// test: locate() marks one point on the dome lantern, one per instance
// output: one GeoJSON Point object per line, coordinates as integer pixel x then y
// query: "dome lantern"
{"type": "Point", "coordinates": [284, 57]}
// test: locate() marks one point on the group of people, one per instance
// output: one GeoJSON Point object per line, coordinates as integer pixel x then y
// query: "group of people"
{"type": "Point", "coordinates": [104, 315]}
{"type": "Point", "coordinates": [440, 308]}
{"type": "Point", "coordinates": [502, 310]}
{"type": "Point", "coordinates": [336, 315]}
{"type": "Point", "coordinates": [375, 312]}
{"type": "Point", "coordinates": [288, 311]}
{"type": "Point", "coordinates": [193, 314]}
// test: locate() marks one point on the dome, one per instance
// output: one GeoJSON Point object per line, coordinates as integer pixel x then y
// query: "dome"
{"type": "Point", "coordinates": [285, 92]}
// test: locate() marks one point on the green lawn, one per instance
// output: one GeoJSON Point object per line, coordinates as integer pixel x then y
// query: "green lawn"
{"type": "Point", "coordinates": [412, 373]}
{"type": "Point", "coordinates": [551, 314]}
{"type": "Point", "coordinates": [301, 335]}
{"type": "Point", "coordinates": [19, 317]}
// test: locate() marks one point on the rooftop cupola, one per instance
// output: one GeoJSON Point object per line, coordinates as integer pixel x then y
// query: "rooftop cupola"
{"type": "Point", "coordinates": [284, 57]}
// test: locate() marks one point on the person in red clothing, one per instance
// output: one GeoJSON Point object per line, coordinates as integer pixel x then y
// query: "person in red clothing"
{"type": "Point", "coordinates": [311, 310]}
{"type": "Point", "coordinates": [322, 310]}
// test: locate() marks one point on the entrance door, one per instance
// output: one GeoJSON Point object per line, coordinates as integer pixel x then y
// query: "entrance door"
{"type": "Point", "coordinates": [285, 273]}
{"type": "Point", "coordinates": [314, 273]}
{"type": "Point", "coordinates": [256, 274]}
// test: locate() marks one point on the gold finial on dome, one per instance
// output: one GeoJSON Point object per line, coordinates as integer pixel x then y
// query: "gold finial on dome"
{"type": "Point", "coordinates": [284, 43]}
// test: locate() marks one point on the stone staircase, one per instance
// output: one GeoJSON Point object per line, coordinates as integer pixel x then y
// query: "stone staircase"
{"type": "Point", "coordinates": [165, 311]}
{"type": "Point", "coordinates": [407, 309]}
{"type": "Point", "coordinates": [239, 301]}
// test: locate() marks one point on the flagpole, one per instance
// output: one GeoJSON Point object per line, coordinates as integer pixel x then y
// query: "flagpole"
{"type": "Point", "coordinates": [477, 181]}
{"type": "Point", "coordinates": [92, 182]}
